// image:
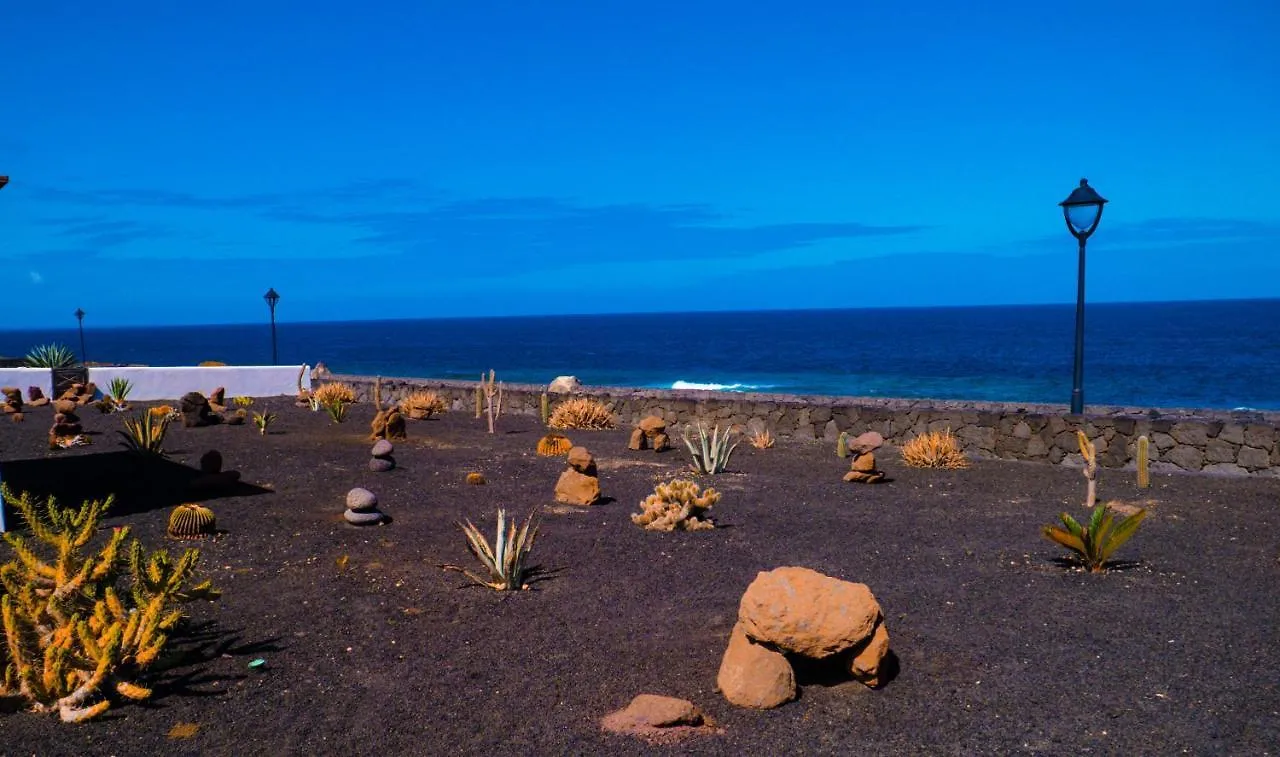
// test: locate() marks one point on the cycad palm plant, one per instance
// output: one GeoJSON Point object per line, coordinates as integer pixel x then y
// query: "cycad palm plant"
{"type": "Point", "coordinates": [1095, 542]}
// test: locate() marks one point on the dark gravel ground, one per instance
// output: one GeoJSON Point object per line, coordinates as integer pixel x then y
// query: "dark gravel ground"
{"type": "Point", "coordinates": [1002, 648]}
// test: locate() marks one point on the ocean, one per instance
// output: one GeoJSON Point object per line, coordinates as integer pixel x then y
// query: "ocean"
{"type": "Point", "coordinates": [1213, 355]}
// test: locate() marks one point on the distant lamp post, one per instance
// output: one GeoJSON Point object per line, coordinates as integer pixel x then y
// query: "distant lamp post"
{"type": "Point", "coordinates": [80, 319]}
{"type": "Point", "coordinates": [1082, 210]}
{"type": "Point", "coordinates": [3, 180]}
{"type": "Point", "coordinates": [272, 298]}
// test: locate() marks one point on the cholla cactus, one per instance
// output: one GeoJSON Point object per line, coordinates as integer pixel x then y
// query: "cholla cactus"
{"type": "Point", "coordinates": [70, 636]}
{"type": "Point", "coordinates": [677, 505]}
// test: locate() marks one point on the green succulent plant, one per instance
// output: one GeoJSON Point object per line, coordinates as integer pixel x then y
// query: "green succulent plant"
{"type": "Point", "coordinates": [712, 452]}
{"type": "Point", "coordinates": [50, 356]}
{"type": "Point", "coordinates": [263, 421]}
{"type": "Point", "coordinates": [505, 563]}
{"type": "Point", "coordinates": [1096, 541]}
{"type": "Point", "coordinates": [118, 389]}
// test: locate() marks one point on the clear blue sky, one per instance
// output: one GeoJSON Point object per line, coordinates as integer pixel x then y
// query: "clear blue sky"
{"type": "Point", "coordinates": [172, 161]}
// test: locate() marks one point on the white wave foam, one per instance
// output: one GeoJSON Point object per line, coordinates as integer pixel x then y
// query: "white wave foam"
{"type": "Point", "coordinates": [716, 387]}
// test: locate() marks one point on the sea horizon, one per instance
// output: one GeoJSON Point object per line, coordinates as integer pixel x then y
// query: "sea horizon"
{"type": "Point", "coordinates": [1211, 354]}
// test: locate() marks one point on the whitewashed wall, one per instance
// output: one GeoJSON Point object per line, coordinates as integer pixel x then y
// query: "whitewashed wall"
{"type": "Point", "coordinates": [159, 383]}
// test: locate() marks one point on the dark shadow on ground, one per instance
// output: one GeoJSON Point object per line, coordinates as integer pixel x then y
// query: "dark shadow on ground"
{"type": "Point", "coordinates": [139, 483]}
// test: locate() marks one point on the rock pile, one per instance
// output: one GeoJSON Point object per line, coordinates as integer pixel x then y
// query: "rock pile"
{"type": "Point", "coordinates": [218, 400]}
{"type": "Point", "coordinates": [65, 424]}
{"type": "Point", "coordinates": [362, 508]}
{"type": "Point", "coordinates": [11, 404]}
{"type": "Point", "coordinates": [800, 612]}
{"type": "Point", "coordinates": [80, 394]}
{"type": "Point", "coordinates": [388, 424]}
{"type": "Point", "coordinates": [196, 411]}
{"type": "Point", "coordinates": [579, 484]}
{"type": "Point", "coordinates": [35, 397]}
{"type": "Point", "coordinates": [650, 433]}
{"type": "Point", "coordinates": [381, 460]}
{"type": "Point", "coordinates": [862, 469]}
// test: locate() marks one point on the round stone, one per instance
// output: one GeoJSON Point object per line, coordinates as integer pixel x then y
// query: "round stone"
{"type": "Point", "coordinates": [363, 518]}
{"type": "Point", "coordinates": [361, 500]}
{"type": "Point", "coordinates": [382, 448]}
{"type": "Point", "coordinates": [381, 464]}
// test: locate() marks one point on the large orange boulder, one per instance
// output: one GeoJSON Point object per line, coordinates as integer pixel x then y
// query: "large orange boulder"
{"type": "Point", "coordinates": [802, 611]}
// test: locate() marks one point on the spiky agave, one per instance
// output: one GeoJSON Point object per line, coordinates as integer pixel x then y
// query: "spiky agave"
{"type": "Point", "coordinates": [1096, 541]}
{"type": "Point", "coordinates": [263, 421]}
{"type": "Point", "coordinates": [50, 356]}
{"type": "Point", "coordinates": [506, 561]}
{"type": "Point", "coordinates": [144, 435]}
{"type": "Point", "coordinates": [118, 389]}
{"type": "Point", "coordinates": [712, 452]}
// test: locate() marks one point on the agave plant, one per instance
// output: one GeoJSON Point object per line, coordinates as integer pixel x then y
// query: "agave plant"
{"type": "Point", "coordinates": [1095, 542]}
{"type": "Point", "coordinates": [504, 562]}
{"type": "Point", "coordinates": [144, 435]}
{"type": "Point", "coordinates": [118, 390]}
{"type": "Point", "coordinates": [50, 356]}
{"type": "Point", "coordinates": [711, 454]}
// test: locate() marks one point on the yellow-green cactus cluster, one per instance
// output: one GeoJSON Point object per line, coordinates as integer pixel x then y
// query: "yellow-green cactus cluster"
{"type": "Point", "coordinates": [72, 639]}
{"type": "Point", "coordinates": [678, 505]}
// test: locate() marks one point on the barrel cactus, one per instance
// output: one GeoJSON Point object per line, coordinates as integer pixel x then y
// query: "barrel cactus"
{"type": "Point", "coordinates": [191, 521]}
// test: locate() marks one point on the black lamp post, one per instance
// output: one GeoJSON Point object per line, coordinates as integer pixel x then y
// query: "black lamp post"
{"type": "Point", "coordinates": [272, 298]}
{"type": "Point", "coordinates": [1082, 210]}
{"type": "Point", "coordinates": [80, 319]}
{"type": "Point", "coordinates": [3, 180]}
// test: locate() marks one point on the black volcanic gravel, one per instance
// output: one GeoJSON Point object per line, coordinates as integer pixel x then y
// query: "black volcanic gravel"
{"type": "Point", "coordinates": [1002, 649]}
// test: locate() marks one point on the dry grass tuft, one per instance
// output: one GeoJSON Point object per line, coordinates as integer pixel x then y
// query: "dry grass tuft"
{"type": "Point", "coordinates": [936, 449]}
{"type": "Point", "coordinates": [761, 439]}
{"type": "Point", "coordinates": [334, 393]}
{"type": "Point", "coordinates": [583, 413]}
{"type": "Point", "coordinates": [423, 404]}
{"type": "Point", "coordinates": [554, 445]}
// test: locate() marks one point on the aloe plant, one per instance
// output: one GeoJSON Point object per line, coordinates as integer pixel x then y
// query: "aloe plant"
{"type": "Point", "coordinates": [711, 454]}
{"type": "Point", "coordinates": [50, 356]}
{"type": "Point", "coordinates": [506, 561]}
{"type": "Point", "coordinates": [1095, 542]}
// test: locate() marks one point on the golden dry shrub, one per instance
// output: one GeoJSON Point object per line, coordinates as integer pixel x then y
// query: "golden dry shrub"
{"type": "Point", "coordinates": [161, 411]}
{"type": "Point", "coordinates": [212, 364]}
{"type": "Point", "coordinates": [422, 404]}
{"type": "Point", "coordinates": [678, 505]}
{"type": "Point", "coordinates": [554, 445]}
{"type": "Point", "coordinates": [582, 413]}
{"type": "Point", "coordinates": [334, 393]}
{"type": "Point", "coordinates": [761, 439]}
{"type": "Point", "coordinates": [935, 449]}
{"type": "Point", "coordinates": [475, 478]}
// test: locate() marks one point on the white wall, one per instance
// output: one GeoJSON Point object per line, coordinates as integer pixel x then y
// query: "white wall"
{"type": "Point", "coordinates": [155, 383]}
{"type": "Point", "coordinates": [25, 377]}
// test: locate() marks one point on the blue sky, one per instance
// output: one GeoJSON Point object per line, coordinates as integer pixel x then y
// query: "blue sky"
{"type": "Point", "coordinates": [409, 159]}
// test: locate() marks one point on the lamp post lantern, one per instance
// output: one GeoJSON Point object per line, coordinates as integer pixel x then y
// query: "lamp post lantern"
{"type": "Point", "coordinates": [1082, 211]}
{"type": "Point", "coordinates": [272, 298]}
{"type": "Point", "coordinates": [80, 320]}
{"type": "Point", "coordinates": [3, 180]}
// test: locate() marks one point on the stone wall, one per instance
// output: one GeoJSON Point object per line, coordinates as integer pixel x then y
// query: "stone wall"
{"type": "Point", "coordinates": [1234, 443]}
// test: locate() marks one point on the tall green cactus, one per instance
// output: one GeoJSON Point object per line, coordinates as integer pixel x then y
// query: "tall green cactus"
{"type": "Point", "coordinates": [842, 444]}
{"type": "Point", "coordinates": [1144, 462]}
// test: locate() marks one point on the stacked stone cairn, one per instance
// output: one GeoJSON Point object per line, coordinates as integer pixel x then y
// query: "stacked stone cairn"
{"type": "Point", "coordinates": [196, 411]}
{"type": "Point", "coordinates": [362, 508]}
{"type": "Point", "coordinates": [650, 433]}
{"type": "Point", "coordinates": [65, 422]}
{"type": "Point", "coordinates": [381, 460]}
{"type": "Point", "coordinates": [579, 484]}
{"type": "Point", "coordinates": [797, 612]}
{"type": "Point", "coordinates": [11, 397]}
{"type": "Point", "coordinates": [862, 469]}
{"type": "Point", "coordinates": [35, 397]}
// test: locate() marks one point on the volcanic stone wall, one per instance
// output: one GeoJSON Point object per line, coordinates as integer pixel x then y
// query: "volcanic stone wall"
{"type": "Point", "coordinates": [1232, 443]}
